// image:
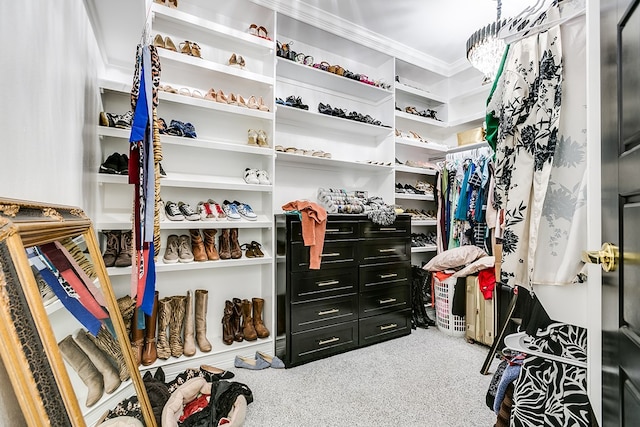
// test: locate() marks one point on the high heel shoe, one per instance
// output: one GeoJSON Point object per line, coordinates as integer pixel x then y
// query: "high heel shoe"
{"type": "Point", "coordinates": [211, 95]}
{"type": "Point", "coordinates": [252, 103]}
{"type": "Point", "coordinates": [232, 100]}
{"type": "Point", "coordinates": [172, 4]}
{"type": "Point", "coordinates": [261, 105]}
{"type": "Point", "coordinates": [221, 97]}
{"type": "Point", "coordinates": [169, 44]}
{"type": "Point", "coordinates": [236, 60]}
{"type": "Point", "coordinates": [158, 41]}
{"type": "Point", "coordinates": [262, 138]}
{"type": "Point", "coordinates": [242, 102]}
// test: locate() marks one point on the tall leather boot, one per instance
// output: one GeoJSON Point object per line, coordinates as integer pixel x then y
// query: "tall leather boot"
{"type": "Point", "coordinates": [224, 243]}
{"type": "Point", "coordinates": [105, 342]}
{"type": "Point", "coordinates": [202, 297]}
{"type": "Point", "coordinates": [137, 337]}
{"type": "Point", "coordinates": [175, 325]}
{"type": "Point", "coordinates": [189, 341]}
{"type": "Point", "coordinates": [236, 252]}
{"type": "Point", "coordinates": [247, 322]}
{"type": "Point", "coordinates": [227, 320]}
{"type": "Point", "coordinates": [258, 324]}
{"type": "Point", "coordinates": [197, 246]}
{"type": "Point", "coordinates": [86, 370]}
{"type": "Point", "coordinates": [164, 317]}
{"type": "Point", "coordinates": [149, 353]}
{"type": "Point", "coordinates": [238, 334]}
{"type": "Point", "coordinates": [210, 245]}
{"type": "Point", "coordinates": [100, 361]}
{"type": "Point", "coordinates": [113, 248]}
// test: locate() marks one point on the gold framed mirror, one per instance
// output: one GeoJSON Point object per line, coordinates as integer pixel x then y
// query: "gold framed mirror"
{"type": "Point", "coordinates": [62, 331]}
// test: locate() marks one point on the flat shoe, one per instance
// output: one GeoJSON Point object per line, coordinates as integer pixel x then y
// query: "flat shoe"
{"type": "Point", "coordinates": [217, 372]}
{"type": "Point", "coordinates": [274, 361]}
{"type": "Point", "coordinates": [253, 364]}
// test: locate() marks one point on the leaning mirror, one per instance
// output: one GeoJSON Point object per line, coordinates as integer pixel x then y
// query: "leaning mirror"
{"type": "Point", "coordinates": [64, 342]}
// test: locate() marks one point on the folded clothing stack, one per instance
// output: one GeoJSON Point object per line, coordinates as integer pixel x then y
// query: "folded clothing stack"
{"type": "Point", "coordinates": [356, 202]}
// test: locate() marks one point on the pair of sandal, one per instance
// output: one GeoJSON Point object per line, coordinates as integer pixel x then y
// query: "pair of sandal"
{"type": "Point", "coordinates": [257, 138]}
{"type": "Point", "coordinates": [252, 250]}
{"type": "Point", "coordinates": [236, 60]}
{"type": "Point", "coordinates": [237, 100]}
{"type": "Point", "coordinates": [177, 128]}
{"type": "Point", "coordinates": [259, 31]}
{"type": "Point", "coordinates": [293, 101]}
{"type": "Point", "coordinates": [186, 47]}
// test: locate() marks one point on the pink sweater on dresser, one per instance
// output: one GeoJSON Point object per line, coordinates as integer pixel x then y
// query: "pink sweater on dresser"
{"type": "Point", "coordinates": [314, 224]}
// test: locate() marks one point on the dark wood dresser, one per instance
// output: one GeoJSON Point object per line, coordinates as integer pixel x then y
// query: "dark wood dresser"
{"type": "Point", "coordinates": [359, 296]}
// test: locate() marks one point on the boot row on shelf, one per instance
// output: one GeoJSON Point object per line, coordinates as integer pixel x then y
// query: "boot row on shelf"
{"type": "Point", "coordinates": [201, 246]}
{"type": "Point", "coordinates": [242, 320]}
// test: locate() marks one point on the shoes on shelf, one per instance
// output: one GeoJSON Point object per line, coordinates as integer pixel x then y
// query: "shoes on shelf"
{"type": "Point", "coordinates": [171, 250]}
{"type": "Point", "coordinates": [190, 48]}
{"type": "Point", "coordinates": [219, 212]}
{"type": "Point", "coordinates": [236, 60]}
{"type": "Point", "coordinates": [165, 43]}
{"type": "Point", "coordinates": [115, 164]}
{"type": "Point", "coordinates": [184, 249]}
{"type": "Point", "coordinates": [173, 212]}
{"type": "Point", "coordinates": [245, 211]}
{"type": "Point", "coordinates": [178, 128]}
{"type": "Point", "coordinates": [231, 211]}
{"type": "Point", "coordinates": [251, 176]}
{"type": "Point", "coordinates": [252, 137]}
{"type": "Point", "coordinates": [188, 212]}
{"type": "Point", "coordinates": [206, 212]}
{"type": "Point", "coordinates": [263, 177]}
{"type": "Point", "coordinates": [197, 246]}
{"type": "Point", "coordinates": [253, 250]}
{"type": "Point", "coordinates": [262, 138]}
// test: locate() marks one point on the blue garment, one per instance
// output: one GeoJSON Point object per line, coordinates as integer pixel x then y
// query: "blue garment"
{"type": "Point", "coordinates": [463, 200]}
{"type": "Point", "coordinates": [509, 375]}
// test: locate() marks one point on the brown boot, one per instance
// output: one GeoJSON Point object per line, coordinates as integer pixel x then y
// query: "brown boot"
{"type": "Point", "coordinates": [126, 250]}
{"type": "Point", "coordinates": [227, 327]}
{"type": "Point", "coordinates": [224, 243]}
{"type": "Point", "coordinates": [236, 252]}
{"type": "Point", "coordinates": [202, 297]}
{"type": "Point", "coordinates": [150, 354]}
{"type": "Point", "coordinates": [197, 246]}
{"type": "Point", "coordinates": [258, 324]}
{"type": "Point", "coordinates": [247, 322]}
{"type": "Point", "coordinates": [210, 245]}
{"type": "Point", "coordinates": [113, 248]}
{"type": "Point", "coordinates": [86, 370]}
{"type": "Point", "coordinates": [189, 341]}
{"type": "Point", "coordinates": [137, 337]}
{"type": "Point", "coordinates": [237, 318]}
{"type": "Point", "coordinates": [175, 325]}
{"type": "Point", "coordinates": [164, 317]}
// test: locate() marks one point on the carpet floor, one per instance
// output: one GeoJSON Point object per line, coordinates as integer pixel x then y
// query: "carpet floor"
{"type": "Point", "coordinates": [426, 379]}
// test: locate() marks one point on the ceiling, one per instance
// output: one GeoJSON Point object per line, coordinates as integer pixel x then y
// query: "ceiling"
{"type": "Point", "coordinates": [437, 28]}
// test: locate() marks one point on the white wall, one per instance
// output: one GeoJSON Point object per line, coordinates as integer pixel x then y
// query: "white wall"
{"type": "Point", "coordinates": [48, 107]}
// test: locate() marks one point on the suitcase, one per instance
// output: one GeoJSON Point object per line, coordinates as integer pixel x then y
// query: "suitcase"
{"type": "Point", "coordinates": [479, 314]}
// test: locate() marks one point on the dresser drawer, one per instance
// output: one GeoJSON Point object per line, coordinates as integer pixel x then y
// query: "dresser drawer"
{"type": "Point", "coordinates": [384, 327]}
{"type": "Point", "coordinates": [334, 254]}
{"type": "Point", "coordinates": [385, 250]}
{"type": "Point", "coordinates": [314, 284]}
{"type": "Point", "coordinates": [385, 300]}
{"type": "Point", "coordinates": [324, 312]}
{"type": "Point", "coordinates": [323, 342]}
{"type": "Point", "coordinates": [336, 230]}
{"type": "Point", "coordinates": [400, 228]}
{"type": "Point", "coordinates": [384, 275]}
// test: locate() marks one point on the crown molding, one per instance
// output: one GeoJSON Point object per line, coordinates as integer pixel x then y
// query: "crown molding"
{"type": "Point", "coordinates": [343, 28]}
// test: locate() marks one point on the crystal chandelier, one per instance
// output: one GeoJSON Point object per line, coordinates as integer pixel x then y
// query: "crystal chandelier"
{"type": "Point", "coordinates": [485, 49]}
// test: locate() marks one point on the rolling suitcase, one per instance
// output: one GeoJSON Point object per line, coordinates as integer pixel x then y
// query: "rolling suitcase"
{"type": "Point", "coordinates": [479, 314]}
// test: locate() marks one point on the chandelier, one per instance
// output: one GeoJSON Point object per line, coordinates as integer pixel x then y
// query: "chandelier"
{"type": "Point", "coordinates": [485, 48]}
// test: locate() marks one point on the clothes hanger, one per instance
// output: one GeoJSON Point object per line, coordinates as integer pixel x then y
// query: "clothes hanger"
{"type": "Point", "coordinates": [520, 342]}
{"type": "Point", "coordinates": [519, 20]}
{"type": "Point", "coordinates": [570, 9]}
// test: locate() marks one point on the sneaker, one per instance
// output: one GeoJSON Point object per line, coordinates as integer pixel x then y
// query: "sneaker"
{"type": "Point", "coordinates": [206, 212]}
{"type": "Point", "coordinates": [220, 215]}
{"type": "Point", "coordinates": [263, 177]}
{"type": "Point", "coordinates": [245, 211]}
{"type": "Point", "coordinates": [108, 119]}
{"type": "Point", "coordinates": [188, 212]}
{"type": "Point", "coordinates": [123, 164]}
{"type": "Point", "coordinates": [163, 213]}
{"type": "Point", "coordinates": [251, 176]}
{"type": "Point", "coordinates": [172, 211]}
{"type": "Point", "coordinates": [111, 165]}
{"type": "Point", "coordinates": [171, 252]}
{"type": "Point", "coordinates": [231, 211]}
{"type": "Point", "coordinates": [184, 249]}
{"type": "Point", "coordinates": [124, 121]}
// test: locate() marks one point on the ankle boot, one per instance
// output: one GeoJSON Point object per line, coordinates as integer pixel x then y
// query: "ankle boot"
{"type": "Point", "coordinates": [236, 252]}
{"type": "Point", "coordinates": [149, 353]}
{"type": "Point", "coordinates": [87, 372]}
{"type": "Point", "coordinates": [258, 324]}
{"type": "Point", "coordinates": [189, 341]}
{"type": "Point", "coordinates": [113, 248]}
{"type": "Point", "coordinates": [224, 244]}
{"type": "Point", "coordinates": [105, 342]}
{"type": "Point", "coordinates": [197, 246]}
{"type": "Point", "coordinates": [247, 322]}
{"type": "Point", "coordinates": [137, 336]}
{"type": "Point", "coordinates": [175, 325]}
{"type": "Point", "coordinates": [227, 327]}
{"type": "Point", "coordinates": [202, 297]}
{"type": "Point", "coordinates": [238, 335]}
{"type": "Point", "coordinates": [100, 361]}
{"type": "Point", "coordinates": [124, 256]}
{"type": "Point", "coordinates": [210, 245]}
{"type": "Point", "coordinates": [164, 317]}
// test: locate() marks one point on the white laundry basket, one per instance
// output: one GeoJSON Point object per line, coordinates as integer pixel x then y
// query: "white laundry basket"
{"type": "Point", "coordinates": [447, 322]}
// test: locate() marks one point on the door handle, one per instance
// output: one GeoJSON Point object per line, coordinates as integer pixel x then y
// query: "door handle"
{"type": "Point", "coordinates": [328, 283]}
{"type": "Point", "coordinates": [325, 312]}
{"type": "Point", "coordinates": [384, 251]}
{"type": "Point", "coordinates": [387, 276]}
{"type": "Point", "coordinates": [387, 301]}
{"type": "Point", "coordinates": [608, 257]}
{"type": "Point", "coordinates": [332, 254]}
{"type": "Point", "coordinates": [389, 326]}
{"type": "Point", "coordinates": [329, 341]}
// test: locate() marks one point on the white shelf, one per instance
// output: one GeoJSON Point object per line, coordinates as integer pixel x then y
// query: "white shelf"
{"type": "Point", "coordinates": [419, 171]}
{"type": "Point", "coordinates": [122, 222]}
{"type": "Point", "coordinates": [461, 148]}
{"type": "Point", "coordinates": [467, 120]}
{"type": "Point", "coordinates": [193, 181]}
{"type": "Point", "coordinates": [405, 196]}
{"type": "Point", "coordinates": [418, 249]}
{"type": "Point", "coordinates": [437, 99]}
{"type": "Point", "coordinates": [329, 163]}
{"type": "Point", "coordinates": [485, 89]}
{"type": "Point", "coordinates": [319, 78]}
{"type": "Point", "coordinates": [420, 119]}
{"type": "Point", "coordinates": [209, 144]}
{"type": "Point", "coordinates": [213, 105]}
{"type": "Point", "coordinates": [53, 306]}
{"type": "Point", "coordinates": [428, 146]}
{"type": "Point", "coordinates": [424, 222]}
{"type": "Point", "coordinates": [307, 118]}
{"type": "Point", "coordinates": [192, 61]}
{"type": "Point", "coordinates": [237, 36]}
{"type": "Point", "coordinates": [181, 266]}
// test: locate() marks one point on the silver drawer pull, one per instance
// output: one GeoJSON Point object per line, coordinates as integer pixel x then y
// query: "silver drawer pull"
{"type": "Point", "coordinates": [384, 251]}
{"type": "Point", "coordinates": [389, 326]}
{"type": "Point", "coordinates": [332, 230]}
{"type": "Point", "coordinates": [387, 276]}
{"type": "Point", "coordinates": [331, 254]}
{"type": "Point", "coordinates": [389, 229]}
{"type": "Point", "coordinates": [328, 282]}
{"type": "Point", "coordinates": [387, 301]}
{"type": "Point", "coordinates": [324, 313]}
{"type": "Point", "coordinates": [329, 341]}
